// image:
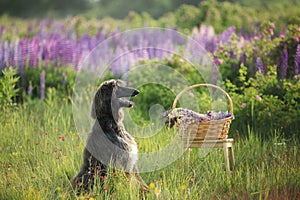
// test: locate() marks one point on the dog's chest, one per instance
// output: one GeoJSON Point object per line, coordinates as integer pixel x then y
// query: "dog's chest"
{"type": "Point", "coordinates": [133, 155]}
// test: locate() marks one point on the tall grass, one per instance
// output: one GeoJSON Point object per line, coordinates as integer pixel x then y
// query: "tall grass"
{"type": "Point", "coordinates": [41, 153]}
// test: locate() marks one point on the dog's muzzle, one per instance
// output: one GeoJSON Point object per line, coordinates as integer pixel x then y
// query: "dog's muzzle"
{"type": "Point", "coordinates": [126, 92]}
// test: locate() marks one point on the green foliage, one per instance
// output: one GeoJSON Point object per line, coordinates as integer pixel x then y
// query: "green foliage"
{"type": "Point", "coordinates": [169, 76]}
{"type": "Point", "coordinates": [8, 89]}
{"type": "Point", "coordinates": [265, 103]}
{"type": "Point", "coordinates": [184, 14]}
{"type": "Point", "coordinates": [62, 79]}
{"type": "Point", "coordinates": [187, 16]}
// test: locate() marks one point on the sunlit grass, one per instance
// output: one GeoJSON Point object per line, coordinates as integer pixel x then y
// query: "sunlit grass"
{"type": "Point", "coordinates": [41, 153]}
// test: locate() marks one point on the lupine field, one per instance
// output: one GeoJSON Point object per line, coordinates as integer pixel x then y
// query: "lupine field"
{"type": "Point", "coordinates": [258, 66]}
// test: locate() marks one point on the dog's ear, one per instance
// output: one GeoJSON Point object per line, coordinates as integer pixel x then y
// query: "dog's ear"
{"type": "Point", "coordinates": [94, 104]}
{"type": "Point", "coordinates": [107, 88]}
{"type": "Point", "coordinates": [120, 82]}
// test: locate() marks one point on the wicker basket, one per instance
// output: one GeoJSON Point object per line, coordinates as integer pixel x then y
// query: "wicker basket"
{"type": "Point", "coordinates": [213, 129]}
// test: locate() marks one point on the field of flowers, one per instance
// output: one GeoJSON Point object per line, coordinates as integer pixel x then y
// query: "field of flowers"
{"type": "Point", "coordinates": [262, 64]}
{"type": "Point", "coordinates": [41, 147]}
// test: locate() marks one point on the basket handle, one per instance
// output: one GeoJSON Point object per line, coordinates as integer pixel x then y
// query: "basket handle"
{"type": "Point", "coordinates": [200, 85]}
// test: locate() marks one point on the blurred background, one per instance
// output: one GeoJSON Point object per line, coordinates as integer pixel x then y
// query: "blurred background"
{"type": "Point", "coordinates": [116, 8]}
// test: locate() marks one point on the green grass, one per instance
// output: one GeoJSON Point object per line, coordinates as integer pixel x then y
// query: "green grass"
{"type": "Point", "coordinates": [41, 153]}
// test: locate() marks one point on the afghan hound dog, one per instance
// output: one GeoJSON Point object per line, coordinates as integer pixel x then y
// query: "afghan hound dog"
{"type": "Point", "coordinates": [109, 144]}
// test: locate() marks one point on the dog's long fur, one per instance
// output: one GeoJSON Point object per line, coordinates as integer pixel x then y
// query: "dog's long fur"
{"type": "Point", "coordinates": [109, 142]}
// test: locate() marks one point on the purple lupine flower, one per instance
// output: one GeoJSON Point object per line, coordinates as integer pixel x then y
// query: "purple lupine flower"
{"type": "Point", "coordinates": [284, 63]}
{"type": "Point", "coordinates": [260, 66]}
{"type": "Point", "coordinates": [226, 35]}
{"type": "Point", "coordinates": [243, 58]}
{"type": "Point", "coordinates": [30, 89]}
{"type": "Point", "coordinates": [21, 59]}
{"type": "Point", "coordinates": [68, 52]}
{"type": "Point", "coordinates": [1, 56]}
{"type": "Point", "coordinates": [206, 37]}
{"type": "Point", "coordinates": [243, 105]}
{"type": "Point", "coordinates": [11, 57]}
{"type": "Point", "coordinates": [42, 85]}
{"type": "Point", "coordinates": [16, 54]}
{"type": "Point", "coordinates": [23, 51]}
{"type": "Point", "coordinates": [297, 61]}
{"type": "Point", "coordinates": [99, 35]}
{"type": "Point", "coordinates": [51, 51]}
{"type": "Point", "coordinates": [64, 79]}
{"type": "Point", "coordinates": [6, 54]}
{"type": "Point", "coordinates": [33, 52]}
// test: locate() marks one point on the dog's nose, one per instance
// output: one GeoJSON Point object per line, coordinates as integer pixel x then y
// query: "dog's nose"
{"type": "Point", "coordinates": [136, 92]}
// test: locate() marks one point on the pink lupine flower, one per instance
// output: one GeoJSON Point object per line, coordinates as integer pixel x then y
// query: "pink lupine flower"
{"type": "Point", "coordinates": [272, 25]}
{"type": "Point", "coordinates": [258, 98]}
{"type": "Point", "coordinates": [218, 61]}
{"type": "Point", "coordinates": [278, 86]}
{"type": "Point", "coordinates": [289, 84]}
{"type": "Point", "coordinates": [244, 105]}
{"type": "Point", "coordinates": [191, 94]}
{"type": "Point", "coordinates": [271, 31]}
{"type": "Point", "coordinates": [260, 66]}
{"type": "Point", "coordinates": [256, 38]}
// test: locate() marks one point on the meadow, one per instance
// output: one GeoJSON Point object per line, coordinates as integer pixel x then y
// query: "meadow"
{"type": "Point", "coordinates": [41, 153]}
{"type": "Point", "coordinates": [256, 61]}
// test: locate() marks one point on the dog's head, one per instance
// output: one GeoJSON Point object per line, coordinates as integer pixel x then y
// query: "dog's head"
{"type": "Point", "coordinates": [110, 93]}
